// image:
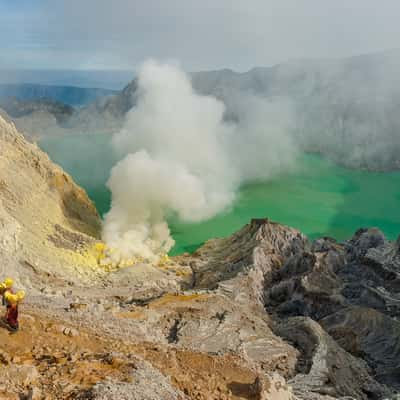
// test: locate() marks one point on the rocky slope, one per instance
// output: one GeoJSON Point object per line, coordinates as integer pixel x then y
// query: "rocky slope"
{"type": "Point", "coordinates": [264, 314]}
{"type": "Point", "coordinates": [46, 220]}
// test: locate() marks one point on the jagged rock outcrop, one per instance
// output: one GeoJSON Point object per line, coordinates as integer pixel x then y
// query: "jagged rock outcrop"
{"type": "Point", "coordinates": [352, 290]}
{"type": "Point", "coordinates": [242, 264]}
{"type": "Point", "coordinates": [324, 367]}
{"type": "Point", "coordinates": [47, 222]}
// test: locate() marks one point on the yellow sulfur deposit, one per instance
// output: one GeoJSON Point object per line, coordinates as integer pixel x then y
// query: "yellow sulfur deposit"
{"type": "Point", "coordinates": [99, 251]}
{"type": "Point", "coordinates": [100, 246]}
{"type": "Point", "coordinates": [164, 259]}
{"type": "Point", "coordinates": [105, 259]}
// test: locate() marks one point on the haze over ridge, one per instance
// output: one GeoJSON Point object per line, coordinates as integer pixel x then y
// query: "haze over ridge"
{"type": "Point", "coordinates": [98, 34]}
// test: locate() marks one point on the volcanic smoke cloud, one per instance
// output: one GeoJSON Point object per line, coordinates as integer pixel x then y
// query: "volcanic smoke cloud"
{"type": "Point", "coordinates": [181, 158]}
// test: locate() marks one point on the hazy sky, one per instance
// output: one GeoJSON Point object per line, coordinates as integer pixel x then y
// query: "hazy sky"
{"type": "Point", "coordinates": [202, 34]}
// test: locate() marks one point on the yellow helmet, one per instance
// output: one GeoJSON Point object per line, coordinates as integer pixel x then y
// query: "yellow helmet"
{"type": "Point", "coordinates": [8, 283]}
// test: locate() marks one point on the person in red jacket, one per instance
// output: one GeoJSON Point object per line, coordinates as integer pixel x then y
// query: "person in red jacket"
{"type": "Point", "coordinates": [11, 301]}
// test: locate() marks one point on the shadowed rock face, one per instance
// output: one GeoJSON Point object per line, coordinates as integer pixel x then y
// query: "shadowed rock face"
{"type": "Point", "coordinates": [324, 367]}
{"type": "Point", "coordinates": [352, 291]}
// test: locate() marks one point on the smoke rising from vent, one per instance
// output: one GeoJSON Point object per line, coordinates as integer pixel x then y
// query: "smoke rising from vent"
{"type": "Point", "coordinates": [181, 158]}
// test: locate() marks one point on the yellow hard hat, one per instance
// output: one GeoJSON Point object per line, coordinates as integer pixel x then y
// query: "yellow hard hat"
{"type": "Point", "coordinates": [8, 283]}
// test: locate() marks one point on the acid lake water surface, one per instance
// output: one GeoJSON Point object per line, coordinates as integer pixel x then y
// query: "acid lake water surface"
{"type": "Point", "coordinates": [317, 197]}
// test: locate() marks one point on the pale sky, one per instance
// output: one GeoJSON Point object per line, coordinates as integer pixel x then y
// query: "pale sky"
{"type": "Point", "coordinates": [201, 34]}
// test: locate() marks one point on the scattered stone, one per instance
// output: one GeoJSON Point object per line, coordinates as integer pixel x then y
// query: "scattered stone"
{"type": "Point", "coordinates": [78, 306]}
{"type": "Point", "coordinates": [70, 332]}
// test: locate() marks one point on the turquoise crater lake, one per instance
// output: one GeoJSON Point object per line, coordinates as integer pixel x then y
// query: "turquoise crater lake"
{"type": "Point", "coordinates": [317, 197]}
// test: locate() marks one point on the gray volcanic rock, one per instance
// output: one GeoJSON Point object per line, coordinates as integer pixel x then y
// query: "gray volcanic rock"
{"type": "Point", "coordinates": [324, 367]}
{"type": "Point", "coordinates": [367, 333]}
{"type": "Point", "coordinates": [372, 273]}
{"type": "Point", "coordinates": [212, 323]}
{"type": "Point", "coordinates": [352, 290]}
{"type": "Point", "coordinates": [242, 264]}
{"type": "Point", "coordinates": [147, 384]}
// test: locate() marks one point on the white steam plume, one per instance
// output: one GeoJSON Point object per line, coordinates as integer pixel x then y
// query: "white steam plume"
{"type": "Point", "coordinates": [181, 157]}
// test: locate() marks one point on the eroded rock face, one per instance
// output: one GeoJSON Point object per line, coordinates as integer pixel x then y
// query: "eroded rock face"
{"type": "Point", "coordinates": [46, 220]}
{"type": "Point", "coordinates": [337, 304]}
{"type": "Point", "coordinates": [352, 291]}
{"type": "Point", "coordinates": [242, 265]}
{"type": "Point", "coordinates": [370, 334]}
{"type": "Point", "coordinates": [326, 368]}
{"type": "Point", "coordinates": [317, 294]}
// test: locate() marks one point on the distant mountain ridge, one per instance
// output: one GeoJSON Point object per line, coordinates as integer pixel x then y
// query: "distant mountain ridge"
{"type": "Point", "coordinates": [346, 109]}
{"type": "Point", "coordinates": [70, 95]}
{"type": "Point", "coordinates": [106, 79]}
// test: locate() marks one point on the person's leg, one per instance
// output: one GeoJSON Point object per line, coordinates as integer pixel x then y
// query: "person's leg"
{"type": "Point", "coordinates": [12, 316]}
{"type": "Point", "coordinates": [16, 323]}
{"type": "Point", "coordinates": [7, 316]}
